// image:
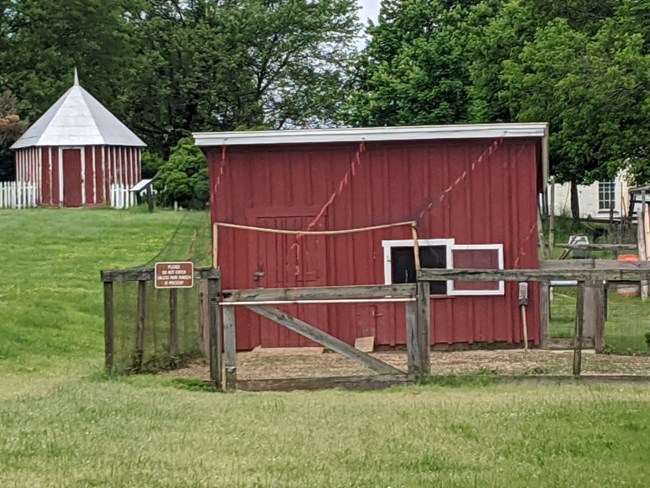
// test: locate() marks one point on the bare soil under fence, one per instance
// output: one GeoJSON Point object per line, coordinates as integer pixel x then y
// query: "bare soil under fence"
{"type": "Point", "coordinates": [287, 364]}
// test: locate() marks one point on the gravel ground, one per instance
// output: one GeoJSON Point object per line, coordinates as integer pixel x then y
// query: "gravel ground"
{"type": "Point", "coordinates": [288, 364]}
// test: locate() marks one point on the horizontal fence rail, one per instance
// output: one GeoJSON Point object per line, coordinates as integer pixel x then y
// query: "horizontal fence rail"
{"type": "Point", "coordinates": [335, 294]}
{"type": "Point", "coordinates": [147, 274]}
{"type": "Point", "coordinates": [18, 195]}
{"type": "Point", "coordinates": [599, 247]}
{"type": "Point", "coordinates": [579, 270]}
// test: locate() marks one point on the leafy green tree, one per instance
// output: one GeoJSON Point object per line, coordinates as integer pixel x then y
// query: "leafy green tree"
{"type": "Point", "coordinates": [151, 163]}
{"type": "Point", "coordinates": [581, 67]}
{"type": "Point", "coordinates": [184, 177]}
{"type": "Point", "coordinates": [415, 69]}
{"type": "Point", "coordinates": [11, 128]}
{"type": "Point", "coordinates": [42, 42]}
{"type": "Point", "coordinates": [205, 65]}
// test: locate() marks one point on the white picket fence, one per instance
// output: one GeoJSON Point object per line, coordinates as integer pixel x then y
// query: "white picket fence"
{"type": "Point", "coordinates": [121, 197]}
{"type": "Point", "coordinates": [18, 195]}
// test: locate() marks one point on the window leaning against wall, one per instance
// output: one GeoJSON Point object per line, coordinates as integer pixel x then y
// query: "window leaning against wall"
{"type": "Point", "coordinates": [477, 256]}
{"type": "Point", "coordinates": [399, 264]}
{"type": "Point", "coordinates": [606, 195]}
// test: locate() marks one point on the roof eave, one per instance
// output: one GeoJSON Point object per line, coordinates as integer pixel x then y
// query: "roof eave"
{"type": "Point", "coordinates": [438, 132]}
{"type": "Point", "coordinates": [27, 144]}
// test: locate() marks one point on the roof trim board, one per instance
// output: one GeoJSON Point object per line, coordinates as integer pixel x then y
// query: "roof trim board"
{"type": "Point", "coordinates": [433, 132]}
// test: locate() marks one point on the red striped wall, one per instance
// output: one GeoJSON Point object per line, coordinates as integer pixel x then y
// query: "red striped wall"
{"type": "Point", "coordinates": [101, 167]}
{"type": "Point", "coordinates": [285, 186]}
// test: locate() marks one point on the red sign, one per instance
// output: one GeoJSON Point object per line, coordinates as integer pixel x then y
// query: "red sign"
{"type": "Point", "coordinates": [174, 275]}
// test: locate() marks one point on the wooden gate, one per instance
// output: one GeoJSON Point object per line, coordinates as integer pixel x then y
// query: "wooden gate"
{"type": "Point", "coordinates": [264, 302]}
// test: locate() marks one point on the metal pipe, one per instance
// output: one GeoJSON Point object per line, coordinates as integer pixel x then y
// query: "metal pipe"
{"type": "Point", "coordinates": [551, 216]}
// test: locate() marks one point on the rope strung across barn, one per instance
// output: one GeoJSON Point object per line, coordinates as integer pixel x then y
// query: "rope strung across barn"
{"type": "Point", "coordinates": [343, 184]}
{"type": "Point", "coordinates": [438, 199]}
{"type": "Point", "coordinates": [345, 181]}
{"type": "Point", "coordinates": [316, 232]}
{"type": "Point", "coordinates": [222, 167]}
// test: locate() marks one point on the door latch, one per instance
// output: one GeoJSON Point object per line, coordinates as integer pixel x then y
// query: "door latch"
{"type": "Point", "coordinates": [257, 275]}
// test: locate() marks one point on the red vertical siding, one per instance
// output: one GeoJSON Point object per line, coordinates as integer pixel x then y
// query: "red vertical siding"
{"type": "Point", "coordinates": [495, 204]}
{"type": "Point", "coordinates": [100, 175]}
{"type": "Point", "coordinates": [88, 175]}
{"type": "Point", "coordinates": [99, 167]}
{"type": "Point", "coordinates": [55, 176]}
{"type": "Point", "coordinates": [46, 181]}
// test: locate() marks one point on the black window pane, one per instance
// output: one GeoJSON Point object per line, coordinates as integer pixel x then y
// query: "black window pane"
{"type": "Point", "coordinates": [403, 265]}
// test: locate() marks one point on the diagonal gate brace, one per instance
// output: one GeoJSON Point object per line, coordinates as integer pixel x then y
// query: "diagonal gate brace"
{"type": "Point", "coordinates": [323, 338]}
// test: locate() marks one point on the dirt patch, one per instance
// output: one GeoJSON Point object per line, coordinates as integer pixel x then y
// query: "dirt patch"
{"type": "Point", "coordinates": [262, 364]}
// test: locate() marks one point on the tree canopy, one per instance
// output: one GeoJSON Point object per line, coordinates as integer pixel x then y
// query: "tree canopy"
{"type": "Point", "coordinates": [582, 66]}
{"type": "Point", "coordinates": [168, 68]}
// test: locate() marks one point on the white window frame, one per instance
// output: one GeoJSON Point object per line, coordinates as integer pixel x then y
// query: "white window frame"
{"type": "Point", "coordinates": [480, 247]}
{"type": "Point", "coordinates": [388, 245]}
{"type": "Point", "coordinates": [610, 190]}
{"type": "Point", "coordinates": [450, 246]}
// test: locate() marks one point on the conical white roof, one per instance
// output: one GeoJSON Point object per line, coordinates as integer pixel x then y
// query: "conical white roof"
{"type": "Point", "coordinates": [78, 119]}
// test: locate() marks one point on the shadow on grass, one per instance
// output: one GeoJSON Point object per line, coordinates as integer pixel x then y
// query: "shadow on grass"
{"type": "Point", "coordinates": [480, 378]}
{"type": "Point", "coordinates": [151, 379]}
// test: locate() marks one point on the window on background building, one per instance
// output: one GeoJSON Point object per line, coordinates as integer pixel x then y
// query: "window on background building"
{"type": "Point", "coordinates": [399, 264]}
{"type": "Point", "coordinates": [606, 195]}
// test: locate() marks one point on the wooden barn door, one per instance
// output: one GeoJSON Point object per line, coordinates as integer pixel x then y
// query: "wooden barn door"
{"type": "Point", "coordinates": [281, 265]}
{"type": "Point", "coordinates": [72, 181]}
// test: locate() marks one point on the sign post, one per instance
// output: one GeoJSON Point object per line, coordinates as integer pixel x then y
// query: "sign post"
{"type": "Point", "coordinates": [174, 275]}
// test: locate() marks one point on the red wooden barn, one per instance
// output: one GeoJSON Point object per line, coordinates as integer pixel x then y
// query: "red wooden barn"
{"type": "Point", "coordinates": [473, 190]}
{"type": "Point", "coordinates": [76, 152]}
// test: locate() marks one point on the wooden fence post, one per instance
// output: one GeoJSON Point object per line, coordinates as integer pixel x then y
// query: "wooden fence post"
{"type": "Point", "coordinates": [424, 328]}
{"type": "Point", "coordinates": [412, 339]}
{"type": "Point", "coordinates": [214, 293]}
{"type": "Point", "coordinates": [139, 336]}
{"type": "Point", "coordinates": [577, 351]}
{"type": "Point", "coordinates": [109, 326]}
{"type": "Point", "coordinates": [544, 310]}
{"type": "Point", "coordinates": [594, 308]}
{"type": "Point", "coordinates": [595, 313]}
{"type": "Point", "coordinates": [204, 318]}
{"type": "Point", "coordinates": [230, 347]}
{"type": "Point", "coordinates": [173, 321]}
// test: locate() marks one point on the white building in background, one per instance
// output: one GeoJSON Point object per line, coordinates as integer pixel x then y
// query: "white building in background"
{"type": "Point", "coordinates": [596, 199]}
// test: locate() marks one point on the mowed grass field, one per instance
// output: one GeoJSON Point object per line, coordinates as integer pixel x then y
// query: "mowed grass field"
{"type": "Point", "coordinates": [64, 423]}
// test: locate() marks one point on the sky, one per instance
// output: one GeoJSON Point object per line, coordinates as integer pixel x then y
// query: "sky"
{"type": "Point", "coordinates": [369, 9]}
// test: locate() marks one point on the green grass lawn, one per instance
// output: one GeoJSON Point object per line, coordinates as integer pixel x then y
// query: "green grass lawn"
{"type": "Point", "coordinates": [50, 289]}
{"type": "Point", "coordinates": [143, 432]}
{"type": "Point", "coordinates": [63, 423]}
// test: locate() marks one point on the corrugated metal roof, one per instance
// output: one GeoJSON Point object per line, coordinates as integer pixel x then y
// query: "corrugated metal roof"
{"type": "Point", "coordinates": [78, 119]}
{"type": "Point", "coordinates": [430, 132]}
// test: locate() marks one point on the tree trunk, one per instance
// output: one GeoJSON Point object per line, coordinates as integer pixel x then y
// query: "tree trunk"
{"type": "Point", "coordinates": [575, 203]}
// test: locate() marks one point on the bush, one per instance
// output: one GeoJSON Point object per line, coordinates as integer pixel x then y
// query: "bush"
{"type": "Point", "coordinates": [184, 178]}
{"type": "Point", "coordinates": [151, 163]}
